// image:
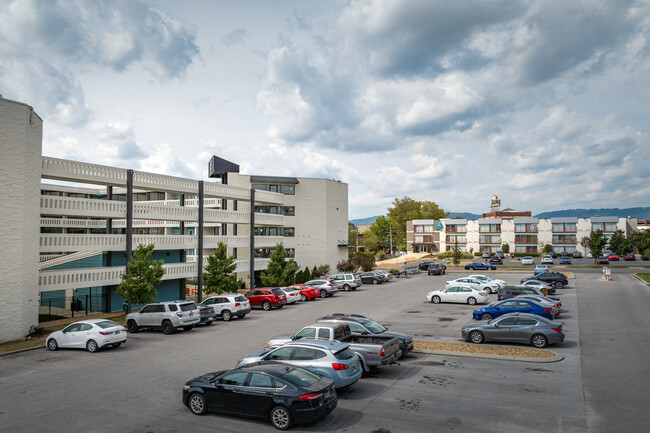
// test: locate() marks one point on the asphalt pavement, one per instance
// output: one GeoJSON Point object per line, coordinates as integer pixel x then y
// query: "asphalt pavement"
{"type": "Point", "coordinates": [137, 387]}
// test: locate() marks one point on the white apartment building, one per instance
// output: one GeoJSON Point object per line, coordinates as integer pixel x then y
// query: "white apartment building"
{"type": "Point", "coordinates": [523, 234]}
{"type": "Point", "coordinates": [69, 227]}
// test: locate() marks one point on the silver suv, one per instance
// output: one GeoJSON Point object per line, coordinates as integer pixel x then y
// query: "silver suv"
{"type": "Point", "coordinates": [346, 282]}
{"type": "Point", "coordinates": [167, 316]}
{"type": "Point", "coordinates": [228, 305]}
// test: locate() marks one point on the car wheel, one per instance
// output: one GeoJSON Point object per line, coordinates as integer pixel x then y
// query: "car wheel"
{"type": "Point", "coordinates": [52, 344]}
{"type": "Point", "coordinates": [346, 287]}
{"type": "Point", "coordinates": [91, 346]}
{"type": "Point", "coordinates": [544, 292]}
{"type": "Point", "coordinates": [266, 305]}
{"type": "Point", "coordinates": [281, 418]}
{"type": "Point", "coordinates": [188, 328]}
{"type": "Point", "coordinates": [117, 344]}
{"type": "Point", "coordinates": [435, 299]}
{"type": "Point", "coordinates": [476, 337]}
{"type": "Point", "coordinates": [559, 285]}
{"type": "Point", "coordinates": [167, 327]}
{"type": "Point", "coordinates": [303, 298]}
{"type": "Point", "coordinates": [132, 326]}
{"type": "Point", "coordinates": [226, 315]}
{"type": "Point", "coordinates": [197, 404]}
{"type": "Point", "coordinates": [471, 300]}
{"type": "Point", "coordinates": [241, 316]}
{"type": "Point", "coordinates": [486, 316]}
{"type": "Point", "coordinates": [375, 281]}
{"type": "Point", "coordinates": [323, 293]}
{"type": "Point", "coordinates": [539, 341]}
{"type": "Point", "coordinates": [467, 268]}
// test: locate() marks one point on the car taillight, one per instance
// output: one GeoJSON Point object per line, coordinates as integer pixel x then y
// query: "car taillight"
{"type": "Point", "coordinates": [105, 333]}
{"type": "Point", "coordinates": [237, 304]}
{"type": "Point", "coordinates": [330, 284]}
{"type": "Point", "coordinates": [557, 329]}
{"type": "Point", "coordinates": [382, 352]}
{"type": "Point", "coordinates": [548, 310]}
{"type": "Point", "coordinates": [481, 293]}
{"type": "Point", "coordinates": [554, 305]}
{"type": "Point", "coordinates": [308, 397]}
{"type": "Point", "coordinates": [201, 311]}
{"type": "Point", "coordinates": [337, 366]}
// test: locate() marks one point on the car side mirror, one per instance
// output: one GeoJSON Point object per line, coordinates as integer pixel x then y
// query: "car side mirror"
{"type": "Point", "coordinates": [496, 325]}
{"type": "Point", "coordinates": [140, 312]}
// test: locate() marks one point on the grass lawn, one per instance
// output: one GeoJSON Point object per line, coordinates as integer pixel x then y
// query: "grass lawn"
{"type": "Point", "coordinates": [645, 276]}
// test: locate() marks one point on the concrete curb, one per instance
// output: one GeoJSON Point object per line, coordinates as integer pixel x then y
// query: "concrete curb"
{"type": "Point", "coordinates": [557, 357]}
{"type": "Point", "coordinates": [641, 279]}
{"type": "Point", "coordinates": [27, 349]}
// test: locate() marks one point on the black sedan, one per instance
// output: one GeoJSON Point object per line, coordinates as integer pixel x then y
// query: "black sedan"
{"type": "Point", "coordinates": [557, 279]}
{"type": "Point", "coordinates": [282, 393]}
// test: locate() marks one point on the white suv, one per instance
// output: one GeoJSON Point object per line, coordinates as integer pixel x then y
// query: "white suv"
{"type": "Point", "coordinates": [228, 305]}
{"type": "Point", "coordinates": [168, 316]}
{"type": "Point", "coordinates": [346, 282]}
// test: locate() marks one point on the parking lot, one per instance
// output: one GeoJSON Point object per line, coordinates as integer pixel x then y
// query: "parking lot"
{"type": "Point", "coordinates": [137, 387]}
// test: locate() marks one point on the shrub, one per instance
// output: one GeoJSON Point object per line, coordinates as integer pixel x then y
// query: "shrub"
{"type": "Point", "coordinates": [320, 271]}
{"type": "Point", "coordinates": [394, 271]}
{"type": "Point", "coordinates": [525, 254]}
{"type": "Point", "coordinates": [346, 266]}
{"type": "Point", "coordinates": [478, 254]}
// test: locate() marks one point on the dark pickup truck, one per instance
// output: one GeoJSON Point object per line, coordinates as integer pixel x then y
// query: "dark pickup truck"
{"type": "Point", "coordinates": [373, 351]}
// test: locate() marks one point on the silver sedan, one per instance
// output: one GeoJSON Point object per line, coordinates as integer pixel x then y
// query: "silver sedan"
{"type": "Point", "coordinates": [515, 328]}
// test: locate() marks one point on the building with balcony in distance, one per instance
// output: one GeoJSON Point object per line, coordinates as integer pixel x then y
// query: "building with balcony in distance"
{"type": "Point", "coordinates": [69, 227]}
{"type": "Point", "coordinates": [524, 233]}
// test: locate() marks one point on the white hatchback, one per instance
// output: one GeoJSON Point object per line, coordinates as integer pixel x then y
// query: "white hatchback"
{"type": "Point", "coordinates": [488, 279]}
{"type": "Point", "coordinates": [91, 335]}
{"type": "Point", "coordinates": [465, 295]}
{"type": "Point", "coordinates": [293, 295]}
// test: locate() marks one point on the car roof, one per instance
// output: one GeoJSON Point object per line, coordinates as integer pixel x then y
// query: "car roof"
{"type": "Point", "coordinates": [347, 317]}
{"type": "Point", "coordinates": [334, 346]}
{"type": "Point", "coordinates": [93, 321]}
{"type": "Point", "coordinates": [269, 367]}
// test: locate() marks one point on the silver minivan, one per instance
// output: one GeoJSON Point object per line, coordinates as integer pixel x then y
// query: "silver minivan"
{"type": "Point", "coordinates": [228, 305]}
{"type": "Point", "coordinates": [346, 282]}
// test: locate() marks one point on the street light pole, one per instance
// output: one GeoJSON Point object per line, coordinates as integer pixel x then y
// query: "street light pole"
{"type": "Point", "coordinates": [390, 229]}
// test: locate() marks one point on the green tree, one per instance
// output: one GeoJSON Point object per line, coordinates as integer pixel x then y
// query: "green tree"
{"type": "Point", "coordinates": [545, 248]}
{"type": "Point", "coordinates": [372, 242]}
{"type": "Point", "coordinates": [640, 239]}
{"type": "Point", "coordinates": [352, 236]}
{"type": "Point", "coordinates": [364, 260]}
{"type": "Point", "coordinates": [320, 271]}
{"type": "Point", "coordinates": [279, 271]}
{"type": "Point", "coordinates": [306, 275]}
{"type": "Point", "coordinates": [458, 254]}
{"type": "Point", "coordinates": [219, 276]}
{"type": "Point", "coordinates": [505, 248]}
{"type": "Point", "coordinates": [139, 283]}
{"type": "Point", "coordinates": [381, 230]}
{"type": "Point", "coordinates": [407, 209]}
{"type": "Point", "coordinates": [346, 266]}
{"type": "Point", "coordinates": [619, 244]}
{"type": "Point", "coordinates": [596, 243]}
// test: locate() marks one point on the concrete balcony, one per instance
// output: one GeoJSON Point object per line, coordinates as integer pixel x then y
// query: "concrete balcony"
{"type": "Point", "coordinates": [81, 207]}
{"type": "Point", "coordinates": [268, 219]}
{"type": "Point", "coordinates": [109, 276]}
{"type": "Point", "coordinates": [73, 223]}
{"type": "Point", "coordinates": [82, 172]}
{"type": "Point", "coordinates": [266, 197]}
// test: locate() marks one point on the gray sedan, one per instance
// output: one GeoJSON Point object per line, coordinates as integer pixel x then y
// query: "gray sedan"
{"type": "Point", "coordinates": [515, 328]}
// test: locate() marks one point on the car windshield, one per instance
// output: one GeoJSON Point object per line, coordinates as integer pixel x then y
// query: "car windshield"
{"type": "Point", "coordinates": [106, 324]}
{"type": "Point", "coordinates": [299, 377]}
{"type": "Point", "coordinates": [374, 327]}
{"type": "Point", "coordinates": [188, 307]}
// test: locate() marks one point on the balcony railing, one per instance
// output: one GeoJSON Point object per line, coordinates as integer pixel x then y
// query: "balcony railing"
{"type": "Point", "coordinates": [525, 240]}
{"type": "Point", "coordinates": [489, 230]}
{"type": "Point", "coordinates": [489, 240]}
{"type": "Point", "coordinates": [565, 241]}
{"type": "Point", "coordinates": [424, 240]}
{"type": "Point", "coordinates": [452, 229]}
{"type": "Point", "coordinates": [565, 230]}
{"type": "Point", "coordinates": [526, 230]}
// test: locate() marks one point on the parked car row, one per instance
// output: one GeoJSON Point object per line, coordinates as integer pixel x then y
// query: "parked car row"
{"type": "Point", "coordinates": [294, 379]}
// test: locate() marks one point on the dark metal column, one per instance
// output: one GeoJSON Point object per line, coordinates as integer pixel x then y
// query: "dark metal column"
{"type": "Point", "coordinates": [109, 254]}
{"type": "Point", "coordinates": [181, 232]}
{"type": "Point", "coordinates": [252, 240]}
{"type": "Point", "coordinates": [129, 222]}
{"type": "Point", "coordinates": [199, 258]}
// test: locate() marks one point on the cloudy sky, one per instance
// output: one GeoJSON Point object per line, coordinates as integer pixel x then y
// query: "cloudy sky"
{"type": "Point", "coordinates": [545, 104]}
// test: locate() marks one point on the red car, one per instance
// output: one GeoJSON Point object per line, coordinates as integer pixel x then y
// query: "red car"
{"type": "Point", "coordinates": [629, 257]}
{"type": "Point", "coordinates": [602, 261]}
{"type": "Point", "coordinates": [612, 258]}
{"type": "Point", "coordinates": [306, 293]}
{"type": "Point", "coordinates": [267, 298]}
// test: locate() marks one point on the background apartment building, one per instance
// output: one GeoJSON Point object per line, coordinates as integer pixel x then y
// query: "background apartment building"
{"type": "Point", "coordinates": [523, 234]}
{"type": "Point", "coordinates": [70, 227]}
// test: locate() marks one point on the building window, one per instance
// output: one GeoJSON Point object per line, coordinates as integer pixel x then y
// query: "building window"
{"type": "Point", "coordinates": [282, 210]}
{"type": "Point", "coordinates": [605, 227]}
{"type": "Point", "coordinates": [526, 239]}
{"type": "Point", "coordinates": [525, 228]}
{"type": "Point", "coordinates": [564, 239]}
{"type": "Point", "coordinates": [564, 228]}
{"type": "Point", "coordinates": [284, 189]}
{"type": "Point", "coordinates": [452, 239]}
{"type": "Point", "coordinates": [455, 228]}
{"type": "Point", "coordinates": [526, 249]}
{"type": "Point", "coordinates": [490, 239]}
{"type": "Point", "coordinates": [489, 228]}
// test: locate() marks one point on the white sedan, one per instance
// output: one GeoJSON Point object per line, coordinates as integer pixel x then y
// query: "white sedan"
{"type": "Point", "coordinates": [293, 295]}
{"type": "Point", "coordinates": [475, 284]}
{"type": "Point", "coordinates": [488, 279]}
{"type": "Point", "coordinates": [91, 335]}
{"type": "Point", "coordinates": [464, 295]}
{"type": "Point", "coordinates": [528, 260]}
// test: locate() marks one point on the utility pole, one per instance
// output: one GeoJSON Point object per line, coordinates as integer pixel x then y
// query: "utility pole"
{"type": "Point", "coordinates": [390, 229]}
